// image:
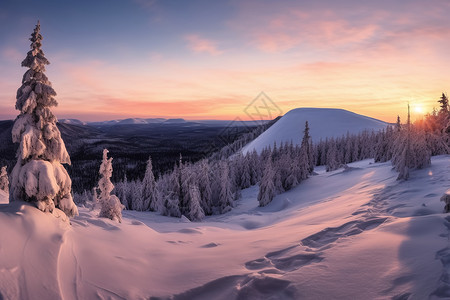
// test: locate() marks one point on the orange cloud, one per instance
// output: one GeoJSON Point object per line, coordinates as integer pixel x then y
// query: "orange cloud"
{"type": "Point", "coordinates": [202, 45]}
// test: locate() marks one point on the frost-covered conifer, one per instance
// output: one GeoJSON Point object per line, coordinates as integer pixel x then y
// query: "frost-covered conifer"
{"type": "Point", "coordinates": [4, 182]}
{"type": "Point", "coordinates": [255, 168]}
{"type": "Point", "coordinates": [307, 145]}
{"type": "Point", "coordinates": [444, 103]}
{"type": "Point", "coordinates": [195, 212]}
{"type": "Point", "coordinates": [38, 175]}
{"type": "Point", "coordinates": [123, 191]}
{"type": "Point", "coordinates": [267, 189]}
{"type": "Point", "coordinates": [110, 205]}
{"type": "Point", "coordinates": [168, 189]}
{"type": "Point", "coordinates": [293, 175]}
{"type": "Point", "coordinates": [204, 183]}
{"type": "Point", "coordinates": [226, 196]}
{"type": "Point", "coordinates": [410, 151]}
{"type": "Point", "coordinates": [332, 160]}
{"type": "Point", "coordinates": [245, 176]}
{"type": "Point", "coordinates": [148, 188]}
{"type": "Point", "coordinates": [135, 195]}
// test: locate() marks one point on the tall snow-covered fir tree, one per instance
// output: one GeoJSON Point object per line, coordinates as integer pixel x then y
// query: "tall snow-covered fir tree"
{"type": "Point", "coordinates": [110, 205]}
{"type": "Point", "coordinates": [4, 182]}
{"type": "Point", "coordinates": [148, 188]}
{"type": "Point", "coordinates": [39, 175]}
{"type": "Point", "coordinates": [308, 147]}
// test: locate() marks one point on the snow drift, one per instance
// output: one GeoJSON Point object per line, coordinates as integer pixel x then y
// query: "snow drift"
{"type": "Point", "coordinates": [365, 236]}
{"type": "Point", "coordinates": [323, 123]}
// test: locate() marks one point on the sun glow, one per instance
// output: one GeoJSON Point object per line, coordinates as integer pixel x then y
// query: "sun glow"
{"type": "Point", "coordinates": [419, 109]}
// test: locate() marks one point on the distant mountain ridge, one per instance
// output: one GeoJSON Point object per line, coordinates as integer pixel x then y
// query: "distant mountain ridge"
{"type": "Point", "coordinates": [323, 123]}
{"type": "Point", "coordinates": [162, 121]}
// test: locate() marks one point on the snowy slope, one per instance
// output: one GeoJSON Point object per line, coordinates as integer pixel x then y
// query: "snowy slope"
{"type": "Point", "coordinates": [323, 123]}
{"type": "Point", "coordinates": [365, 236]}
{"type": "Point", "coordinates": [72, 122]}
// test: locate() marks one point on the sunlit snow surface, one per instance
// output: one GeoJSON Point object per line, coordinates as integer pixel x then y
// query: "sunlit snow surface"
{"type": "Point", "coordinates": [354, 234]}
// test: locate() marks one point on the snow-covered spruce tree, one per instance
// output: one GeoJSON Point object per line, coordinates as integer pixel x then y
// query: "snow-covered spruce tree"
{"type": "Point", "coordinates": [122, 191]}
{"type": "Point", "coordinates": [332, 159]}
{"type": "Point", "coordinates": [398, 124]}
{"type": "Point", "coordinates": [111, 207]}
{"type": "Point", "coordinates": [38, 175]}
{"type": "Point", "coordinates": [204, 184]}
{"type": "Point", "coordinates": [195, 211]}
{"type": "Point", "coordinates": [307, 145]}
{"type": "Point", "coordinates": [4, 182]}
{"type": "Point", "coordinates": [226, 196]}
{"type": "Point", "coordinates": [244, 176]}
{"type": "Point", "coordinates": [267, 188]}
{"type": "Point", "coordinates": [148, 188]}
{"type": "Point", "coordinates": [444, 103]}
{"type": "Point", "coordinates": [410, 151]}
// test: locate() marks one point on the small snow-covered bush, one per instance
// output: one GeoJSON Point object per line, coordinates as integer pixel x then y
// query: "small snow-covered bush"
{"type": "Point", "coordinates": [112, 209]}
{"type": "Point", "coordinates": [446, 199]}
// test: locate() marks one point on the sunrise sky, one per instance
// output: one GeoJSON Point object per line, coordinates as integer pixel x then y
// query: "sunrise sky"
{"type": "Point", "coordinates": [208, 59]}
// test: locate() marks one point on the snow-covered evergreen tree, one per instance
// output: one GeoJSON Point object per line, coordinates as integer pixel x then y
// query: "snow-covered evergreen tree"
{"type": "Point", "coordinates": [123, 191]}
{"type": "Point", "coordinates": [38, 175]}
{"type": "Point", "coordinates": [110, 205]}
{"type": "Point", "coordinates": [410, 151]}
{"type": "Point", "coordinates": [255, 167]}
{"type": "Point", "coordinates": [135, 195]}
{"type": "Point", "coordinates": [148, 188]}
{"type": "Point", "coordinates": [398, 124]}
{"type": "Point", "coordinates": [245, 176]}
{"type": "Point", "coordinates": [167, 190]}
{"type": "Point", "coordinates": [195, 212]}
{"type": "Point", "coordinates": [332, 159]}
{"type": "Point", "coordinates": [307, 145]}
{"type": "Point", "coordinates": [4, 182]}
{"type": "Point", "coordinates": [204, 184]}
{"type": "Point", "coordinates": [293, 175]}
{"type": "Point", "coordinates": [226, 196]}
{"type": "Point", "coordinates": [444, 103]}
{"type": "Point", "coordinates": [267, 190]}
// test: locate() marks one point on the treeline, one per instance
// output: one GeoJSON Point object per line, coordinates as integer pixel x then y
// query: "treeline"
{"type": "Point", "coordinates": [213, 185]}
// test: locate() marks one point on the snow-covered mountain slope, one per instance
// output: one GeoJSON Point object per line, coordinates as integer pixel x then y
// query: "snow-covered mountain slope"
{"type": "Point", "coordinates": [72, 122]}
{"type": "Point", "coordinates": [364, 236]}
{"type": "Point", "coordinates": [323, 123]}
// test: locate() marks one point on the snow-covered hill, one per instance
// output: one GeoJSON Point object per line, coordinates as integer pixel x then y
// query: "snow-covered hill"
{"type": "Point", "coordinates": [72, 122]}
{"type": "Point", "coordinates": [323, 123]}
{"type": "Point", "coordinates": [364, 236]}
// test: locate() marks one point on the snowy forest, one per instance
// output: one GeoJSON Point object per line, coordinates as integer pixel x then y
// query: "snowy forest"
{"type": "Point", "coordinates": [209, 186]}
{"type": "Point", "coordinates": [213, 185]}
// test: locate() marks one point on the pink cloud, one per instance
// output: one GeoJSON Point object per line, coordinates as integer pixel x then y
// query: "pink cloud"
{"type": "Point", "coordinates": [13, 54]}
{"type": "Point", "coordinates": [279, 33]}
{"type": "Point", "coordinates": [202, 45]}
{"type": "Point", "coordinates": [342, 27]}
